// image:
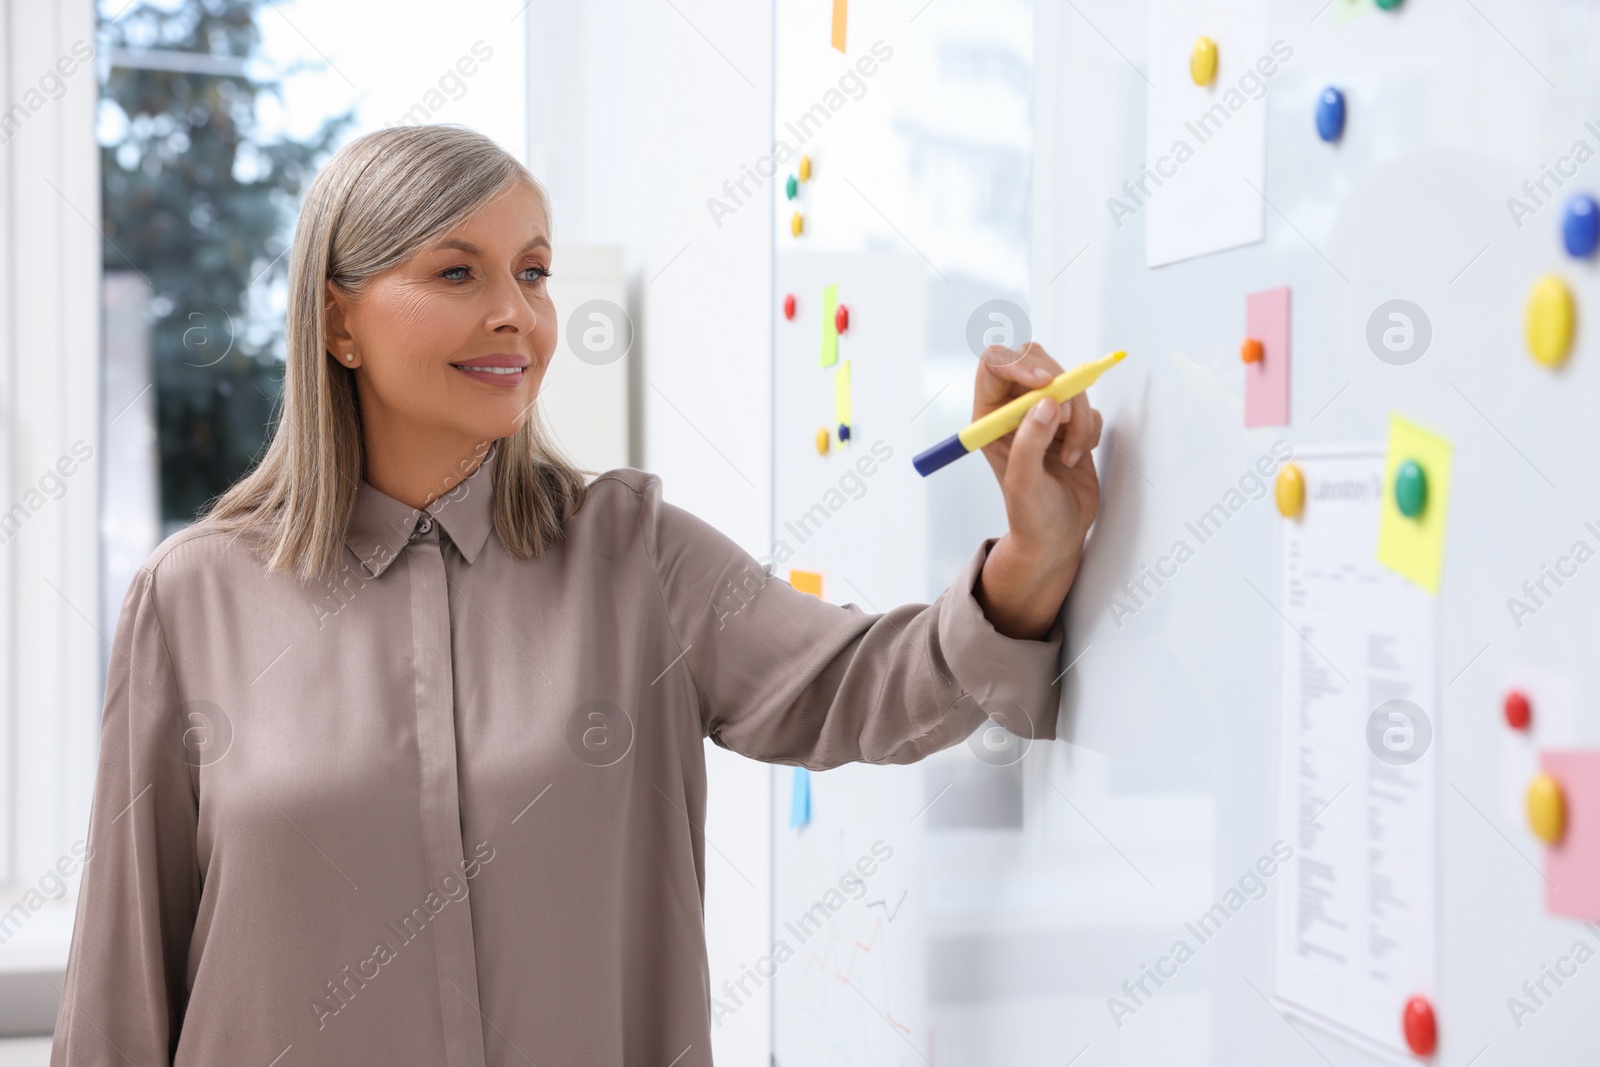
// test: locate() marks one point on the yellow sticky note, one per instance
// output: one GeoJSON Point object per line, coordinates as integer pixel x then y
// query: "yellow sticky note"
{"type": "Point", "coordinates": [807, 582]}
{"type": "Point", "coordinates": [838, 23]}
{"type": "Point", "coordinates": [830, 333]}
{"type": "Point", "coordinates": [1413, 546]}
{"type": "Point", "coordinates": [841, 399]}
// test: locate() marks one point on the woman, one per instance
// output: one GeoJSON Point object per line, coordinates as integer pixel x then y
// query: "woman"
{"type": "Point", "coordinates": [402, 753]}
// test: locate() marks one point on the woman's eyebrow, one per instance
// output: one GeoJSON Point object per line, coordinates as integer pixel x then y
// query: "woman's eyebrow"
{"type": "Point", "coordinates": [473, 250]}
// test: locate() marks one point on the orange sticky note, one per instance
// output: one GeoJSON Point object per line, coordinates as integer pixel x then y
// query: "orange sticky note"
{"type": "Point", "coordinates": [807, 582]}
{"type": "Point", "coordinates": [838, 23]}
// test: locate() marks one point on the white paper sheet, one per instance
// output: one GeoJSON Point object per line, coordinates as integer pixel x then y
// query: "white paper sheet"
{"type": "Point", "coordinates": [1205, 146]}
{"type": "Point", "coordinates": [1356, 924]}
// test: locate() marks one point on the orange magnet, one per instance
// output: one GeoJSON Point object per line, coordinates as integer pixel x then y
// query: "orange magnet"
{"type": "Point", "coordinates": [1290, 491]}
{"type": "Point", "coordinates": [841, 319]}
{"type": "Point", "coordinates": [1547, 809]}
{"type": "Point", "coordinates": [1421, 1029]}
{"type": "Point", "coordinates": [1518, 711]}
{"type": "Point", "coordinates": [1251, 351]}
{"type": "Point", "coordinates": [788, 306]}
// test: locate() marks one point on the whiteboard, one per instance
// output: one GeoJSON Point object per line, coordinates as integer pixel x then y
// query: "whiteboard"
{"type": "Point", "coordinates": [1050, 885]}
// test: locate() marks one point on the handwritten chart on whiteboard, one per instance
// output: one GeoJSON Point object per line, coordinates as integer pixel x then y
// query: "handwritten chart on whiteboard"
{"type": "Point", "coordinates": [1358, 716]}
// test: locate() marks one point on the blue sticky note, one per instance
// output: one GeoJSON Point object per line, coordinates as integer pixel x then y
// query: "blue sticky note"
{"type": "Point", "coordinates": [800, 798]}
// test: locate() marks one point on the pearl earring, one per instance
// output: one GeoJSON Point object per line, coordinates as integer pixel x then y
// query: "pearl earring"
{"type": "Point", "coordinates": [349, 356]}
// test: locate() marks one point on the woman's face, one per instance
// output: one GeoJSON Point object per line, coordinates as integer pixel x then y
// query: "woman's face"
{"type": "Point", "coordinates": [426, 332]}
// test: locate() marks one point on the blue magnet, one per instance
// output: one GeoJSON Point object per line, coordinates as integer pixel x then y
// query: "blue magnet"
{"type": "Point", "coordinates": [1580, 225]}
{"type": "Point", "coordinates": [1330, 114]}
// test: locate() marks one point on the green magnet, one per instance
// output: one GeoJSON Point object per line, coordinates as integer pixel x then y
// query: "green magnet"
{"type": "Point", "coordinates": [1410, 488]}
{"type": "Point", "coordinates": [1388, 5]}
{"type": "Point", "coordinates": [791, 187]}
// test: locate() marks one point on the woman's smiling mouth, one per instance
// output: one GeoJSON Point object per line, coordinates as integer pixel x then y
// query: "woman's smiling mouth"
{"type": "Point", "coordinates": [501, 368]}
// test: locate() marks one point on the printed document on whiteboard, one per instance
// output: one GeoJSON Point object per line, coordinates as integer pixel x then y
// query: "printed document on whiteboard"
{"type": "Point", "coordinates": [1357, 746]}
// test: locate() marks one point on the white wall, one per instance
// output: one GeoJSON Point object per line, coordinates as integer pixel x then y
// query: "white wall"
{"type": "Point", "coordinates": [639, 111]}
{"type": "Point", "coordinates": [50, 681]}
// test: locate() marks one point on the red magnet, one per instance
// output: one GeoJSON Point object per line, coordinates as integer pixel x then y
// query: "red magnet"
{"type": "Point", "coordinates": [1422, 1034]}
{"type": "Point", "coordinates": [1518, 712]}
{"type": "Point", "coordinates": [841, 319]}
{"type": "Point", "coordinates": [788, 306]}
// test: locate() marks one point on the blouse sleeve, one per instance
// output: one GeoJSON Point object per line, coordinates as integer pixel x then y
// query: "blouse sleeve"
{"type": "Point", "coordinates": [127, 977]}
{"type": "Point", "coordinates": [787, 677]}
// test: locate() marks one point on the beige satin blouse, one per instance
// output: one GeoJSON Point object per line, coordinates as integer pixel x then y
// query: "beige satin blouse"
{"type": "Point", "coordinates": [451, 811]}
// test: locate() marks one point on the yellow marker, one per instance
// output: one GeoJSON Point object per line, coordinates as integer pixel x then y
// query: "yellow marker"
{"type": "Point", "coordinates": [1547, 809]}
{"type": "Point", "coordinates": [805, 168]}
{"type": "Point", "coordinates": [823, 437]}
{"type": "Point", "coordinates": [1004, 419]}
{"type": "Point", "coordinates": [1290, 491]}
{"type": "Point", "coordinates": [1549, 321]}
{"type": "Point", "coordinates": [1203, 61]}
{"type": "Point", "coordinates": [796, 224]}
{"type": "Point", "coordinates": [842, 418]}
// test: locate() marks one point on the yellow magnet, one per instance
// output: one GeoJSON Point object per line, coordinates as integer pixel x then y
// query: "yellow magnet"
{"type": "Point", "coordinates": [1203, 61]}
{"type": "Point", "coordinates": [805, 168]}
{"type": "Point", "coordinates": [796, 224]}
{"type": "Point", "coordinates": [1290, 491]}
{"type": "Point", "coordinates": [1550, 320]}
{"type": "Point", "coordinates": [1547, 809]}
{"type": "Point", "coordinates": [823, 437]}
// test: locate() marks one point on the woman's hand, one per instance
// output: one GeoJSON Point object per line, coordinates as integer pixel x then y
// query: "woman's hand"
{"type": "Point", "coordinates": [1051, 491]}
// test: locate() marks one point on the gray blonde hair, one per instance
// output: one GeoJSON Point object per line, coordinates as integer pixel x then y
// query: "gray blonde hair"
{"type": "Point", "coordinates": [380, 199]}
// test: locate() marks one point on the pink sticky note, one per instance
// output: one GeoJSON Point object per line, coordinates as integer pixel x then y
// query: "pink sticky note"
{"type": "Point", "coordinates": [1266, 383]}
{"type": "Point", "coordinates": [1572, 865]}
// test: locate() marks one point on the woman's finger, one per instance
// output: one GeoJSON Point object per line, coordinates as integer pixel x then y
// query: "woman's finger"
{"type": "Point", "coordinates": [1004, 373]}
{"type": "Point", "coordinates": [1030, 442]}
{"type": "Point", "coordinates": [1082, 431]}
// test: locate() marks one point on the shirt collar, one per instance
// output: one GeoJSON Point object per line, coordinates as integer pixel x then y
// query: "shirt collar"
{"type": "Point", "coordinates": [381, 525]}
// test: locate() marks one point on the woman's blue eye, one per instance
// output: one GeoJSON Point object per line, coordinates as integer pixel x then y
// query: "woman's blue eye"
{"type": "Point", "coordinates": [541, 273]}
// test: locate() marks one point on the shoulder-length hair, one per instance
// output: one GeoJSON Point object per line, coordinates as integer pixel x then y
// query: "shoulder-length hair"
{"type": "Point", "coordinates": [379, 200]}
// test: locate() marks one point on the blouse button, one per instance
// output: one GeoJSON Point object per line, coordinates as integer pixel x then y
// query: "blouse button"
{"type": "Point", "coordinates": [425, 524]}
